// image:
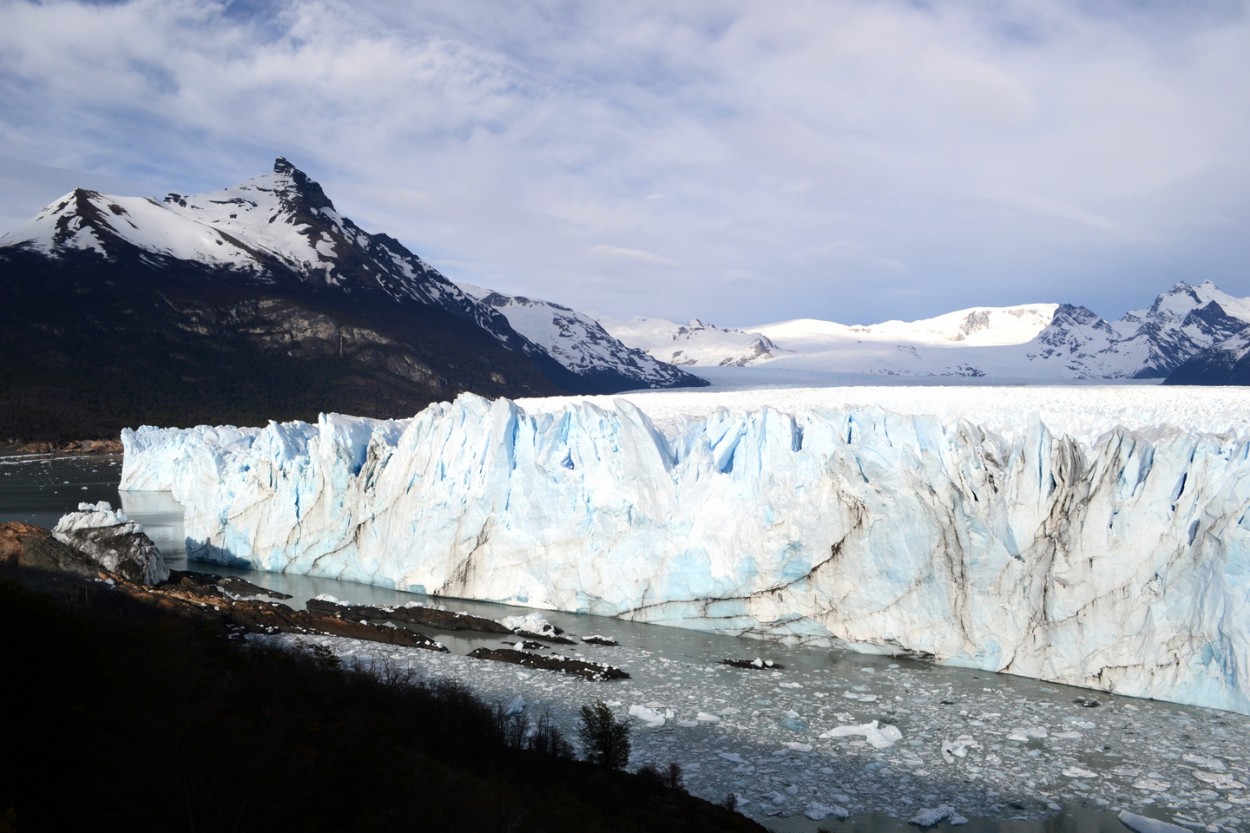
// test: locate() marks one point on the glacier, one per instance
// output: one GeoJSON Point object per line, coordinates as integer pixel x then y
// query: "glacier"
{"type": "Point", "coordinates": [1112, 555]}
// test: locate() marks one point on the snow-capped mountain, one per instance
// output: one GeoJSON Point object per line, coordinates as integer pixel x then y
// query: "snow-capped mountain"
{"type": "Point", "coordinates": [580, 343]}
{"type": "Point", "coordinates": [275, 229]}
{"type": "Point", "coordinates": [1183, 322]}
{"type": "Point", "coordinates": [257, 301]}
{"type": "Point", "coordinates": [1144, 344]}
{"type": "Point", "coordinates": [975, 327]}
{"type": "Point", "coordinates": [1227, 363]}
{"type": "Point", "coordinates": [694, 343]}
{"type": "Point", "coordinates": [1036, 342]}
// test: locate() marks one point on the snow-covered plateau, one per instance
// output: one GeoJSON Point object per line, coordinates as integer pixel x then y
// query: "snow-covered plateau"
{"type": "Point", "coordinates": [1091, 536]}
{"type": "Point", "coordinates": [1039, 343]}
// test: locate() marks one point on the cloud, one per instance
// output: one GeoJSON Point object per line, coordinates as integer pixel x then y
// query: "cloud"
{"type": "Point", "coordinates": [1046, 207]}
{"type": "Point", "coordinates": [600, 154]}
{"type": "Point", "coordinates": [624, 253]}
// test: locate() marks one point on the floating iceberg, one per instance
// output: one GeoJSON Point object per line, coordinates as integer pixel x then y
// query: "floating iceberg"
{"type": "Point", "coordinates": [1118, 560]}
{"type": "Point", "coordinates": [880, 737]}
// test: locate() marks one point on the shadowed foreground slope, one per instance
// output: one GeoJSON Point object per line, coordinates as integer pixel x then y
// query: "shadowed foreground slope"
{"type": "Point", "coordinates": [141, 721]}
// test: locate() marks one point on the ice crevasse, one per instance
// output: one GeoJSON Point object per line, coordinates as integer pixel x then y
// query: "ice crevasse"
{"type": "Point", "coordinates": [1120, 562]}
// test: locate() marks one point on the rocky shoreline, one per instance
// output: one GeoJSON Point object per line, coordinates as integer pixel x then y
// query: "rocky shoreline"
{"type": "Point", "coordinates": [37, 559]}
{"type": "Point", "coordinates": [146, 704]}
{"type": "Point", "coordinates": [97, 551]}
{"type": "Point", "coordinates": [66, 447]}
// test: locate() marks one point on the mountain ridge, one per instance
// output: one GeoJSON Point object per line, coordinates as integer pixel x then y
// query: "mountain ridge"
{"type": "Point", "coordinates": [1056, 342]}
{"type": "Point", "coordinates": [256, 302]}
{"type": "Point", "coordinates": [693, 343]}
{"type": "Point", "coordinates": [577, 341]}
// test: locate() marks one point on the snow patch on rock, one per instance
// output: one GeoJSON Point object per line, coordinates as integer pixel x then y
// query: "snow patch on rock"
{"type": "Point", "coordinates": [115, 542]}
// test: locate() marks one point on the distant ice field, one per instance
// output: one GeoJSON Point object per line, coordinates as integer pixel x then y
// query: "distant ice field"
{"type": "Point", "coordinates": [1081, 412]}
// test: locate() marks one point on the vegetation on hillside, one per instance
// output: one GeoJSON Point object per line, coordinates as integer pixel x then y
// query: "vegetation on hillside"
{"type": "Point", "coordinates": [133, 720]}
{"type": "Point", "coordinates": [88, 347]}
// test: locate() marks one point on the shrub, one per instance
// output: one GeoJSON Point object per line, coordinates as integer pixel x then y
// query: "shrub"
{"type": "Point", "coordinates": [546, 738]}
{"type": "Point", "coordinates": [673, 779]}
{"type": "Point", "coordinates": [669, 777]}
{"type": "Point", "coordinates": [605, 740]}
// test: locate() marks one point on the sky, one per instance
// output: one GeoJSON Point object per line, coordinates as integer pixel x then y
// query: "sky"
{"type": "Point", "coordinates": [738, 161]}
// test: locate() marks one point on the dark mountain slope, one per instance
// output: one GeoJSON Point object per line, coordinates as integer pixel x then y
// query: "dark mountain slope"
{"type": "Point", "coordinates": [257, 302]}
{"type": "Point", "coordinates": [1227, 363]}
{"type": "Point", "coordinates": [91, 346]}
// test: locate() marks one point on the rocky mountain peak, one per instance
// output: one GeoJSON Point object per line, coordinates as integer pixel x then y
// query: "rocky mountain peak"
{"type": "Point", "coordinates": [78, 209]}
{"type": "Point", "coordinates": [303, 192]}
{"type": "Point", "coordinates": [1071, 316]}
{"type": "Point", "coordinates": [287, 191]}
{"type": "Point", "coordinates": [1210, 313]}
{"type": "Point", "coordinates": [579, 343]}
{"type": "Point", "coordinates": [1181, 296]}
{"type": "Point", "coordinates": [82, 220]}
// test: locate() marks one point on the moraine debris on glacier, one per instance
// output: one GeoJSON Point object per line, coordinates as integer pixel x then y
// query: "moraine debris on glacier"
{"type": "Point", "coordinates": [1115, 561]}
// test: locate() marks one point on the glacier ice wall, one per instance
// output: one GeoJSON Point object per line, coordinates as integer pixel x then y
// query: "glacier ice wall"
{"type": "Point", "coordinates": [1120, 564]}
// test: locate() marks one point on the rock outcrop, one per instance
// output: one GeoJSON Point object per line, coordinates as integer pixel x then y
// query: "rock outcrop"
{"type": "Point", "coordinates": [33, 547]}
{"type": "Point", "coordinates": [113, 541]}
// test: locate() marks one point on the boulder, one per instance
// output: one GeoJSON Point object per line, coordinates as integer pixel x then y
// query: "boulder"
{"type": "Point", "coordinates": [113, 541]}
{"type": "Point", "coordinates": [27, 545]}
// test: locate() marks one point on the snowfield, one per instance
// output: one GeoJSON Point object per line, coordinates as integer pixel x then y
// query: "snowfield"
{"type": "Point", "coordinates": [1039, 343]}
{"type": "Point", "coordinates": [1091, 536]}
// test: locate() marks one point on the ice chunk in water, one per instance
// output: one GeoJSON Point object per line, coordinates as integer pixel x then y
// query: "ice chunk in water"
{"type": "Point", "coordinates": [1144, 824]}
{"type": "Point", "coordinates": [880, 737]}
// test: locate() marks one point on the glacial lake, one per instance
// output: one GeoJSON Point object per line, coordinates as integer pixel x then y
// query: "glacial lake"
{"type": "Point", "coordinates": [1004, 752]}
